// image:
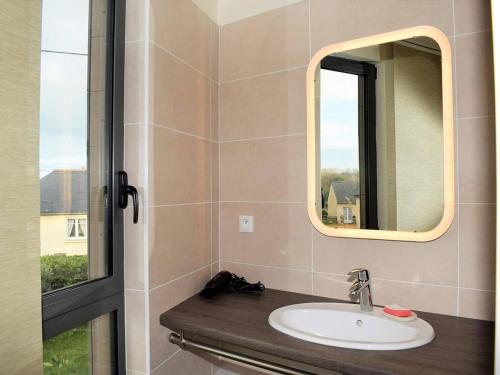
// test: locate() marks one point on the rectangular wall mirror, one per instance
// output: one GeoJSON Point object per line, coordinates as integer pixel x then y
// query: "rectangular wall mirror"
{"type": "Point", "coordinates": [380, 137]}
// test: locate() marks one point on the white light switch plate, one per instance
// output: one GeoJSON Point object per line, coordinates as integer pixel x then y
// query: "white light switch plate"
{"type": "Point", "coordinates": [246, 224]}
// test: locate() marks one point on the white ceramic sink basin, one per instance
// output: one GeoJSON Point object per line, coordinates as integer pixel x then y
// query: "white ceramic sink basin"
{"type": "Point", "coordinates": [344, 325]}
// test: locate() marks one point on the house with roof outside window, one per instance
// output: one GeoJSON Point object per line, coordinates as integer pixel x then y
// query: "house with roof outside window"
{"type": "Point", "coordinates": [63, 212]}
{"type": "Point", "coordinates": [344, 204]}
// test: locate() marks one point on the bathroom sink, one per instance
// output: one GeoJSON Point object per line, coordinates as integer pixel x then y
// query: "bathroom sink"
{"type": "Point", "coordinates": [345, 326]}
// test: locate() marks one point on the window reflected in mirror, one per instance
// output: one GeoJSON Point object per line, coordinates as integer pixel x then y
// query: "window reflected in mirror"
{"type": "Point", "coordinates": [379, 137]}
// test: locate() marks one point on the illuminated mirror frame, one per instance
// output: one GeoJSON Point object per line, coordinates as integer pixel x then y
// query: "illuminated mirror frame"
{"type": "Point", "coordinates": [448, 135]}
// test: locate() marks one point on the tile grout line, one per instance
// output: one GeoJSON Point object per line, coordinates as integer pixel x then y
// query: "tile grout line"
{"type": "Point", "coordinates": [457, 118]}
{"type": "Point", "coordinates": [181, 60]}
{"type": "Point", "coordinates": [297, 67]}
{"type": "Point", "coordinates": [312, 258]}
{"type": "Point", "coordinates": [457, 153]}
{"type": "Point", "coordinates": [412, 282]}
{"type": "Point", "coordinates": [267, 266]}
{"type": "Point", "coordinates": [262, 202]}
{"type": "Point", "coordinates": [181, 132]}
{"type": "Point", "coordinates": [133, 124]}
{"type": "Point", "coordinates": [211, 69]}
{"type": "Point", "coordinates": [466, 34]}
{"type": "Point", "coordinates": [309, 28]}
{"type": "Point", "coordinates": [343, 275]}
{"type": "Point", "coordinates": [219, 104]}
{"type": "Point", "coordinates": [179, 204]}
{"type": "Point", "coordinates": [135, 290]}
{"type": "Point", "coordinates": [264, 138]}
{"type": "Point", "coordinates": [147, 338]}
{"type": "Point", "coordinates": [178, 278]}
{"type": "Point", "coordinates": [476, 203]}
{"type": "Point", "coordinates": [166, 360]}
{"type": "Point", "coordinates": [133, 41]}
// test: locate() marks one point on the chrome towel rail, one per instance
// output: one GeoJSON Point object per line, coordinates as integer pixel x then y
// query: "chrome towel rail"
{"type": "Point", "coordinates": [183, 343]}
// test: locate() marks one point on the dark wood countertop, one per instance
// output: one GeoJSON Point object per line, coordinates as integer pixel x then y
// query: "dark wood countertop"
{"type": "Point", "coordinates": [461, 346]}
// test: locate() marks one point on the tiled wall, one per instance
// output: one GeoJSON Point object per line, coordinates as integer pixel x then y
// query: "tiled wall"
{"type": "Point", "coordinates": [187, 117]}
{"type": "Point", "coordinates": [263, 158]}
{"type": "Point", "coordinates": [172, 155]}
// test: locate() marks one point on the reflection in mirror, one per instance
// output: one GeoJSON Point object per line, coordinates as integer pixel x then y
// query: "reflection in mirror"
{"type": "Point", "coordinates": [379, 137]}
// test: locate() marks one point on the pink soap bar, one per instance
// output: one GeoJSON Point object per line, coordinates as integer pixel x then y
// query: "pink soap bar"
{"type": "Point", "coordinates": [396, 310]}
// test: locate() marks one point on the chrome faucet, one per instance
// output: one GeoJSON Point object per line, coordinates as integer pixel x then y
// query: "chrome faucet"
{"type": "Point", "coordinates": [361, 289]}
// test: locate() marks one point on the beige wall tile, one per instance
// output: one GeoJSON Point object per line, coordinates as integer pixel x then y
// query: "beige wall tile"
{"type": "Point", "coordinates": [264, 170]}
{"type": "Point", "coordinates": [271, 277]}
{"type": "Point", "coordinates": [135, 329]}
{"type": "Point", "coordinates": [214, 51]}
{"type": "Point", "coordinates": [214, 111]}
{"type": "Point", "coordinates": [442, 300]}
{"type": "Point", "coordinates": [182, 28]}
{"type": "Point", "coordinates": [134, 250]}
{"type": "Point", "coordinates": [134, 233]}
{"type": "Point", "coordinates": [477, 304]}
{"type": "Point", "coordinates": [134, 83]}
{"type": "Point", "coordinates": [268, 105]}
{"type": "Point", "coordinates": [215, 147]}
{"type": "Point", "coordinates": [281, 237]}
{"type": "Point", "coordinates": [134, 22]}
{"type": "Point", "coordinates": [179, 241]}
{"type": "Point", "coordinates": [184, 363]}
{"type": "Point", "coordinates": [179, 168]}
{"type": "Point", "coordinates": [474, 72]}
{"type": "Point", "coordinates": [477, 246]}
{"type": "Point", "coordinates": [268, 42]}
{"type": "Point", "coordinates": [163, 299]}
{"type": "Point", "coordinates": [433, 262]}
{"type": "Point", "coordinates": [179, 96]}
{"type": "Point", "coordinates": [477, 160]}
{"type": "Point", "coordinates": [342, 20]}
{"type": "Point", "coordinates": [134, 156]}
{"type": "Point", "coordinates": [472, 15]}
{"type": "Point", "coordinates": [215, 232]}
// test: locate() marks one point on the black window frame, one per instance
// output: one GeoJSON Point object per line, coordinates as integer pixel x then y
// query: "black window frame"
{"type": "Point", "coordinates": [367, 129]}
{"type": "Point", "coordinates": [75, 305]}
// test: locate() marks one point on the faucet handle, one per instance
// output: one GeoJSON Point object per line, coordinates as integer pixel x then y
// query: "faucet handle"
{"type": "Point", "coordinates": [360, 273]}
{"type": "Point", "coordinates": [355, 288]}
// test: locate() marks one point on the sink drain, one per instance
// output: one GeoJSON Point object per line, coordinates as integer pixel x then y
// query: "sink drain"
{"type": "Point", "coordinates": [359, 322]}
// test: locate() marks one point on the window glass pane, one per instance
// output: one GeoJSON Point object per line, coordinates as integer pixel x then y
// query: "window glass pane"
{"type": "Point", "coordinates": [339, 146]}
{"type": "Point", "coordinates": [65, 25]}
{"type": "Point", "coordinates": [84, 350]}
{"type": "Point", "coordinates": [74, 143]}
{"type": "Point", "coordinates": [82, 228]}
{"type": "Point", "coordinates": [71, 228]}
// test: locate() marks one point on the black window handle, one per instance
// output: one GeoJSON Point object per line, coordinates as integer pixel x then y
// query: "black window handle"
{"type": "Point", "coordinates": [125, 191]}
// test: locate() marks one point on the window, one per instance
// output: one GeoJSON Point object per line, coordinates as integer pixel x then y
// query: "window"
{"type": "Point", "coordinates": [77, 228]}
{"type": "Point", "coordinates": [348, 141]}
{"type": "Point", "coordinates": [81, 153]}
{"type": "Point", "coordinates": [348, 215]}
{"type": "Point", "coordinates": [73, 351]}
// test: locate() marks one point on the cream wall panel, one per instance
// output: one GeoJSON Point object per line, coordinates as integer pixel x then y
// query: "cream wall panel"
{"type": "Point", "coordinates": [20, 294]}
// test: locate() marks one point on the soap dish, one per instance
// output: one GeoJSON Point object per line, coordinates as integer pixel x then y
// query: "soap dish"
{"type": "Point", "coordinates": [410, 318]}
